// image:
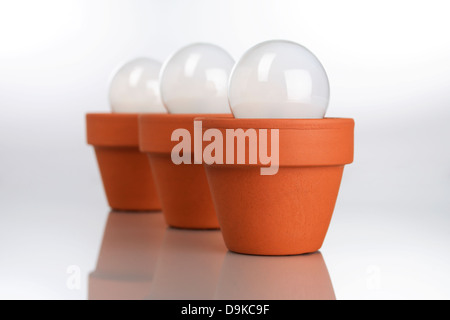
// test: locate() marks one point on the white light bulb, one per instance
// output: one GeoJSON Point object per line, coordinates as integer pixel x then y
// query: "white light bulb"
{"type": "Point", "coordinates": [278, 79]}
{"type": "Point", "coordinates": [134, 88]}
{"type": "Point", "coordinates": [195, 80]}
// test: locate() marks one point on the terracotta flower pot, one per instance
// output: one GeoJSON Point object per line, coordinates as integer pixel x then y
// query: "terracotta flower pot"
{"type": "Point", "coordinates": [287, 213]}
{"type": "Point", "coordinates": [127, 257]}
{"type": "Point", "coordinates": [125, 171]}
{"type": "Point", "coordinates": [302, 277]}
{"type": "Point", "coordinates": [183, 189]}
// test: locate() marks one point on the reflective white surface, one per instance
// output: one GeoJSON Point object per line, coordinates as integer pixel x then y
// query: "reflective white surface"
{"type": "Point", "coordinates": [134, 87]}
{"type": "Point", "coordinates": [97, 254]}
{"type": "Point", "coordinates": [278, 79]}
{"type": "Point", "coordinates": [141, 258]}
{"type": "Point", "coordinates": [194, 79]}
{"type": "Point", "coordinates": [127, 258]}
{"type": "Point", "coordinates": [188, 266]}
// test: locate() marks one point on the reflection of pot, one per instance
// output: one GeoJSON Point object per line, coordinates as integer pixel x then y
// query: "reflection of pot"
{"type": "Point", "coordinates": [183, 188]}
{"type": "Point", "coordinates": [289, 212]}
{"type": "Point", "coordinates": [127, 257]}
{"type": "Point", "coordinates": [126, 174]}
{"type": "Point", "coordinates": [302, 277]}
{"type": "Point", "coordinates": [188, 265]}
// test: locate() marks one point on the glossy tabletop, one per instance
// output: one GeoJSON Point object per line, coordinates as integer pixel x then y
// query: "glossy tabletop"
{"type": "Point", "coordinates": [63, 254]}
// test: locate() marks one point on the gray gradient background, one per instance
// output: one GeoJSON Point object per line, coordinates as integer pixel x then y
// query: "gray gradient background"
{"type": "Point", "coordinates": [388, 64]}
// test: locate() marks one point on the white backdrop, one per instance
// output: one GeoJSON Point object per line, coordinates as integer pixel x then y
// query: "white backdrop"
{"type": "Point", "coordinates": [388, 64]}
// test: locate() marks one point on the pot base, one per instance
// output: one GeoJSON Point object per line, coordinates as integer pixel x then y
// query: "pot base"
{"type": "Point", "coordinates": [127, 179]}
{"type": "Point", "coordinates": [288, 214]}
{"type": "Point", "coordinates": [184, 193]}
{"type": "Point", "coordinates": [125, 172]}
{"type": "Point", "coordinates": [183, 189]}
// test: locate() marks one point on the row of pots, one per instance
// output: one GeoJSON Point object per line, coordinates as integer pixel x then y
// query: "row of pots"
{"type": "Point", "coordinates": [283, 214]}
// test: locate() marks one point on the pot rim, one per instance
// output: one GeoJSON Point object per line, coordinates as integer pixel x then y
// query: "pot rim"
{"type": "Point", "coordinates": [112, 129]}
{"type": "Point", "coordinates": [301, 142]}
{"type": "Point", "coordinates": [265, 123]}
{"type": "Point", "coordinates": [155, 130]}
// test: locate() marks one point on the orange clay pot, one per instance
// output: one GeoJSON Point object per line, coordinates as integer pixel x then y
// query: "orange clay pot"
{"type": "Point", "coordinates": [183, 189]}
{"type": "Point", "coordinates": [287, 213]}
{"type": "Point", "coordinates": [126, 174]}
{"type": "Point", "coordinates": [302, 277]}
{"type": "Point", "coordinates": [127, 257]}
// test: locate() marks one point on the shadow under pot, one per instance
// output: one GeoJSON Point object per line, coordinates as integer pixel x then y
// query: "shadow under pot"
{"type": "Point", "coordinates": [285, 213]}
{"type": "Point", "coordinates": [182, 188]}
{"type": "Point", "coordinates": [125, 171]}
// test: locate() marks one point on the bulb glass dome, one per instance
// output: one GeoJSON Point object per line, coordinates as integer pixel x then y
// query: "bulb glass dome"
{"type": "Point", "coordinates": [278, 79]}
{"type": "Point", "coordinates": [195, 80]}
{"type": "Point", "coordinates": [134, 88]}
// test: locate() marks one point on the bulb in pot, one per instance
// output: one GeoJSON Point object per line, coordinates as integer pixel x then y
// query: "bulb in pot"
{"type": "Point", "coordinates": [195, 80]}
{"type": "Point", "coordinates": [134, 88]}
{"type": "Point", "coordinates": [278, 79]}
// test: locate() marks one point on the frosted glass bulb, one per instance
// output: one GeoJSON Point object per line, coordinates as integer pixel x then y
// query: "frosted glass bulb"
{"type": "Point", "coordinates": [134, 88]}
{"type": "Point", "coordinates": [278, 79]}
{"type": "Point", "coordinates": [195, 80]}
